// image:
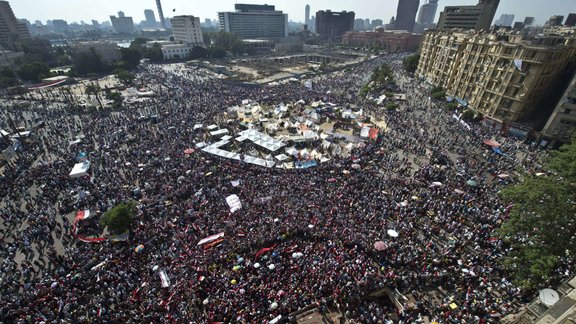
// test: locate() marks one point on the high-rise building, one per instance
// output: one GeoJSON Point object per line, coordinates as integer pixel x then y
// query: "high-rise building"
{"type": "Point", "coordinates": [160, 14]}
{"type": "Point", "coordinates": [307, 15]}
{"type": "Point", "coordinates": [555, 20]}
{"type": "Point", "coordinates": [427, 12]}
{"type": "Point", "coordinates": [376, 23]}
{"type": "Point", "coordinates": [122, 25]}
{"type": "Point", "coordinates": [12, 32]}
{"type": "Point", "coordinates": [254, 21]}
{"type": "Point", "coordinates": [121, 14]}
{"type": "Point", "coordinates": [150, 17]}
{"type": "Point", "coordinates": [406, 14]}
{"type": "Point", "coordinates": [334, 24]}
{"type": "Point", "coordinates": [186, 29]}
{"type": "Point", "coordinates": [312, 26]}
{"type": "Point", "coordinates": [503, 75]}
{"type": "Point", "coordinates": [571, 20]}
{"type": "Point", "coordinates": [476, 17]}
{"type": "Point", "coordinates": [528, 21]}
{"type": "Point", "coordinates": [562, 123]}
{"type": "Point", "coordinates": [504, 20]}
{"type": "Point", "coordinates": [359, 24]}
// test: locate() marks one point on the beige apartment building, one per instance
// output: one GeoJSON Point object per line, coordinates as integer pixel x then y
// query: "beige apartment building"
{"type": "Point", "coordinates": [503, 75]}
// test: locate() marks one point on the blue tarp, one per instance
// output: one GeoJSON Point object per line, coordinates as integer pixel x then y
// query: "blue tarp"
{"type": "Point", "coordinates": [498, 151]}
{"type": "Point", "coordinates": [306, 164]}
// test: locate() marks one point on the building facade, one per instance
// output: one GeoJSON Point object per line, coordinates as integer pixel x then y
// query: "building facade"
{"type": "Point", "coordinates": [504, 76]}
{"type": "Point", "coordinates": [334, 24]}
{"type": "Point", "coordinates": [406, 14]}
{"type": "Point", "coordinates": [478, 17]}
{"type": "Point", "coordinates": [176, 51]}
{"type": "Point", "coordinates": [109, 52]}
{"type": "Point", "coordinates": [528, 21]}
{"type": "Point", "coordinates": [307, 15]}
{"type": "Point", "coordinates": [391, 40]}
{"type": "Point", "coordinates": [186, 29]}
{"type": "Point", "coordinates": [122, 25]}
{"type": "Point", "coordinates": [427, 12]}
{"type": "Point", "coordinates": [254, 22]}
{"type": "Point", "coordinates": [562, 123]}
{"type": "Point", "coordinates": [12, 31]}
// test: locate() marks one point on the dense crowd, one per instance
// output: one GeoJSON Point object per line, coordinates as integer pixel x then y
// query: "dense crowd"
{"type": "Point", "coordinates": [301, 238]}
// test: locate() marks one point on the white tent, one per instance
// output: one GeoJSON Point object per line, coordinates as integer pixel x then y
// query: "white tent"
{"type": "Point", "coordinates": [234, 202]}
{"type": "Point", "coordinates": [80, 169]}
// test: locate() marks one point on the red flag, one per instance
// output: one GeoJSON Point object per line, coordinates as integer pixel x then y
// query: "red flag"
{"type": "Point", "coordinates": [264, 250]}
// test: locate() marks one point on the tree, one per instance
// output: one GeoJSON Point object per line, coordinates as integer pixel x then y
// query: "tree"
{"type": "Point", "coordinates": [124, 76]}
{"type": "Point", "coordinates": [468, 115]}
{"type": "Point", "coordinates": [216, 52]}
{"type": "Point", "coordinates": [34, 71]}
{"type": "Point", "coordinates": [130, 57]}
{"type": "Point", "coordinates": [154, 53]}
{"type": "Point", "coordinates": [198, 52]}
{"type": "Point", "coordinates": [541, 229]}
{"type": "Point", "coordinates": [89, 62]}
{"type": "Point", "coordinates": [119, 219]}
{"type": "Point", "coordinates": [94, 89]}
{"type": "Point", "coordinates": [116, 97]}
{"type": "Point", "coordinates": [410, 63]}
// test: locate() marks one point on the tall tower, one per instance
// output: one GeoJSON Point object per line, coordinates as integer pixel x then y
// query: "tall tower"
{"type": "Point", "coordinates": [161, 14]}
{"type": "Point", "coordinates": [307, 15]}
{"type": "Point", "coordinates": [406, 14]}
{"type": "Point", "coordinates": [427, 12]}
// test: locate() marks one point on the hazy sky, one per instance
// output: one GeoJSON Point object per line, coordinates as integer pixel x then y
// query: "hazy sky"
{"type": "Point", "coordinates": [76, 10]}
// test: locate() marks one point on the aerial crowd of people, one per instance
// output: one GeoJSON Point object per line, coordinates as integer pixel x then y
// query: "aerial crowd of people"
{"type": "Point", "coordinates": [425, 189]}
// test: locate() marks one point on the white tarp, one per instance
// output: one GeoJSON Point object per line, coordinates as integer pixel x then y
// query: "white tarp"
{"type": "Point", "coordinates": [80, 169]}
{"type": "Point", "coordinates": [365, 132]}
{"type": "Point", "coordinates": [234, 202]}
{"type": "Point", "coordinates": [211, 238]}
{"type": "Point", "coordinates": [164, 279]}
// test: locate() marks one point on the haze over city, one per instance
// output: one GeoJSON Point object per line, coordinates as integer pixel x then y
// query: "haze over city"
{"type": "Point", "coordinates": [384, 9]}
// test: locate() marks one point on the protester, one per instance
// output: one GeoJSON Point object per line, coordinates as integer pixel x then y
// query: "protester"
{"type": "Point", "coordinates": [298, 239]}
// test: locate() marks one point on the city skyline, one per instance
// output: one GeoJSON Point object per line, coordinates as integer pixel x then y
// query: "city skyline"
{"type": "Point", "coordinates": [87, 10]}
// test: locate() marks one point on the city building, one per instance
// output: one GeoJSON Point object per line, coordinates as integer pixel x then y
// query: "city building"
{"type": "Point", "coordinates": [60, 26]}
{"type": "Point", "coordinates": [478, 17]}
{"type": "Point", "coordinates": [518, 25]}
{"type": "Point", "coordinates": [377, 23]}
{"type": "Point", "coordinates": [186, 29]}
{"type": "Point", "coordinates": [503, 75]}
{"type": "Point", "coordinates": [427, 12]}
{"type": "Point", "coordinates": [121, 14]}
{"type": "Point", "coordinates": [359, 24]}
{"type": "Point", "coordinates": [312, 26]}
{"type": "Point", "coordinates": [12, 31]}
{"type": "Point", "coordinates": [254, 21]}
{"type": "Point", "coordinates": [307, 15]}
{"type": "Point", "coordinates": [562, 123]}
{"type": "Point", "coordinates": [570, 20]}
{"type": "Point", "coordinates": [8, 58]}
{"type": "Point", "coordinates": [334, 24]}
{"type": "Point", "coordinates": [122, 25]}
{"type": "Point", "coordinates": [504, 20]}
{"type": "Point", "coordinates": [161, 14]}
{"type": "Point", "coordinates": [555, 21]}
{"type": "Point", "coordinates": [391, 40]}
{"type": "Point", "coordinates": [150, 18]}
{"type": "Point", "coordinates": [109, 52]}
{"type": "Point", "coordinates": [528, 21]}
{"type": "Point", "coordinates": [176, 51]}
{"type": "Point", "coordinates": [406, 14]}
